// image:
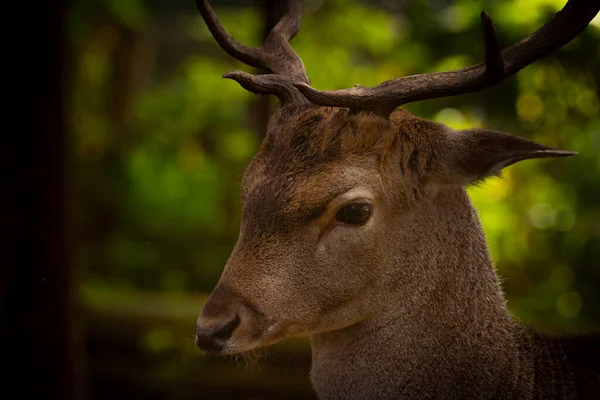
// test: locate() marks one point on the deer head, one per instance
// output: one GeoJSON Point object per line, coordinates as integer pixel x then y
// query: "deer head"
{"type": "Point", "coordinates": [351, 198]}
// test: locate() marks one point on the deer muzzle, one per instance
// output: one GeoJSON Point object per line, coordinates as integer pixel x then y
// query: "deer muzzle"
{"type": "Point", "coordinates": [229, 323]}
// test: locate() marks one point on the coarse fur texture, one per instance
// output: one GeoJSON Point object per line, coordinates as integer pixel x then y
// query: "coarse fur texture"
{"type": "Point", "coordinates": [403, 302]}
{"type": "Point", "coordinates": [406, 306]}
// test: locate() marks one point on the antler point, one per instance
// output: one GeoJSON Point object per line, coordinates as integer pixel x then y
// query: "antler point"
{"type": "Point", "coordinates": [236, 75]}
{"type": "Point", "coordinates": [229, 75]}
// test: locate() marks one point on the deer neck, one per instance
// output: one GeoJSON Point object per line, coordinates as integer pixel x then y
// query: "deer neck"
{"type": "Point", "coordinates": [452, 338]}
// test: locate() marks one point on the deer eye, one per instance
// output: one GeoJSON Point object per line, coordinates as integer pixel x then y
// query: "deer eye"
{"type": "Point", "coordinates": [354, 214]}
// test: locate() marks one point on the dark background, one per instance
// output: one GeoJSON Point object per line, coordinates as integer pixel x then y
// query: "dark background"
{"type": "Point", "coordinates": [120, 182]}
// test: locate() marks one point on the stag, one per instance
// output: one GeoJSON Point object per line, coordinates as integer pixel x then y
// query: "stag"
{"type": "Point", "coordinates": [357, 231]}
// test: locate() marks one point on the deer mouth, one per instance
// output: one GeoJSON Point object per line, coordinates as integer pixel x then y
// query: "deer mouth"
{"type": "Point", "coordinates": [235, 336]}
{"type": "Point", "coordinates": [230, 324]}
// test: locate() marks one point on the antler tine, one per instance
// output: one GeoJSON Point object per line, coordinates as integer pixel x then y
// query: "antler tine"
{"type": "Point", "coordinates": [279, 55]}
{"type": "Point", "coordinates": [275, 55]}
{"type": "Point", "coordinates": [494, 63]}
{"type": "Point", "coordinates": [289, 25]}
{"type": "Point", "coordinates": [267, 84]}
{"type": "Point", "coordinates": [247, 55]}
{"type": "Point", "coordinates": [498, 65]}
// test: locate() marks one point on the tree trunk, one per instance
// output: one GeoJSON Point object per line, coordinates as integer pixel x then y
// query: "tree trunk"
{"type": "Point", "coordinates": [37, 325]}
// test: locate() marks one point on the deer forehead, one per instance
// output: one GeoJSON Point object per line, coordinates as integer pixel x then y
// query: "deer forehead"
{"type": "Point", "coordinates": [310, 157]}
{"type": "Point", "coordinates": [304, 143]}
{"type": "Point", "coordinates": [305, 138]}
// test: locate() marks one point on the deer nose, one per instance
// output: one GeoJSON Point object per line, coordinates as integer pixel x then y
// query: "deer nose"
{"type": "Point", "coordinates": [213, 337]}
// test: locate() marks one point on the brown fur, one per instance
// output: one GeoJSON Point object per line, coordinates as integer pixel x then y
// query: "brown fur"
{"type": "Point", "coordinates": [408, 305]}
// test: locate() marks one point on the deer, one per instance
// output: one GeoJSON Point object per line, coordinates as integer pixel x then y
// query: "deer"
{"type": "Point", "coordinates": [357, 231]}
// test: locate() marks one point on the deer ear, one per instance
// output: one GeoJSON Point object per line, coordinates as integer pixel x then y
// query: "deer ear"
{"type": "Point", "coordinates": [473, 155]}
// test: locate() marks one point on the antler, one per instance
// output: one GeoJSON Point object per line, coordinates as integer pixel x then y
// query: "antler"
{"type": "Point", "coordinates": [276, 55]}
{"type": "Point", "coordinates": [498, 65]}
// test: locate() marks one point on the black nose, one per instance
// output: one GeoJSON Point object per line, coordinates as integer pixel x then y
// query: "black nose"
{"type": "Point", "coordinates": [213, 338]}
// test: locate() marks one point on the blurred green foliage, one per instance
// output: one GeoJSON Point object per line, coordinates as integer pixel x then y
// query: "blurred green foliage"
{"type": "Point", "coordinates": [161, 141]}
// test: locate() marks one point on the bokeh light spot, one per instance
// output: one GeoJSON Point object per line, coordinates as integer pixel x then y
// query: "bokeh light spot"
{"type": "Point", "coordinates": [451, 117]}
{"type": "Point", "coordinates": [529, 106]}
{"type": "Point", "coordinates": [542, 215]}
{"type": "Point", "coordinates": [565, 219]}
{"type": "Point", "coordinates": [587, 103]}
{"type": "Point", "coordinates": [569, 304]}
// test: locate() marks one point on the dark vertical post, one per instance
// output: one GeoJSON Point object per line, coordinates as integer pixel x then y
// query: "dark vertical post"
{"type": "Point", "coordinates": [36, 288]}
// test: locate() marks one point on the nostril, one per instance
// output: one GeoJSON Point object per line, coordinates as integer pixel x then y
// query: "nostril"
{"type": "Point", "coordinates": [214, 339]}
{"type": "Point", "coordinates": [224, 333]}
